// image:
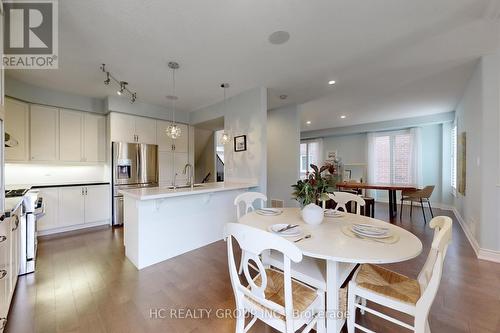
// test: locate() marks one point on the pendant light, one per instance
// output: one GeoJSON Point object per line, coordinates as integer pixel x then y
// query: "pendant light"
{"type": "Point", "coordinates": [225, 137]}
{"type": "Point", "coordinates": [173, 131]}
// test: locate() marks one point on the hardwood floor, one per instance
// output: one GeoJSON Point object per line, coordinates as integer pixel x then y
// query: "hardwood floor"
{"type": "Point", "coordinates": [84, 283]}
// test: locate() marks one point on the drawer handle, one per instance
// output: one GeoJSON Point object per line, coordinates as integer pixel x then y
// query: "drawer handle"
{"type": "Point", "coordinates": [3, 272]}
{"type": "Point", "coordinates": [3, 239]}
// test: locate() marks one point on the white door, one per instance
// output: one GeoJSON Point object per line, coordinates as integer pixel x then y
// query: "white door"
{"type": "Point", "coordinates": [122, 127]}
{"type": "Point", "coordinates": [97, 203]}
{"type": "Point", "coordinates": [17, 125]}
{"type": "Point", "coordinates": [71, 136]}
{"type": "Point", "coordinates": [94, 138]}
{"type": "Point", "coordinates": [145, 129]}
{"type": "Point", "coordinates": [71, 206]}
{"type": "Point", "coordinates": [44, 133]}
{"type": "Point", "coordinates": [163, 141]}
{"type": "Point", "coordinates": [181, 144]}
{"type": "Point", "coordinates": [165, 163]}
{"type": "Point", "coordinates": [51, 200]}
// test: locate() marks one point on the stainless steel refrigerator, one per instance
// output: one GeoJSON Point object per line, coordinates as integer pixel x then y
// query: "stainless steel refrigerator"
{"type": "Point", "coordinates": [134, 165]}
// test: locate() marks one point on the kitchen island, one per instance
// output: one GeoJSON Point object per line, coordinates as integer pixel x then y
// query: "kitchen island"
{"type": "Point", "coordinates": [162, 222]}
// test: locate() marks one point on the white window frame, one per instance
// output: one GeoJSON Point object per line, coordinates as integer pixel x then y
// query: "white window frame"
{"type": "Point", "coordinates": [309, 156]}
{"type": "Point", "coordinates": [392, 135]}
{"type": "Point", "coordinates": [453, 153]}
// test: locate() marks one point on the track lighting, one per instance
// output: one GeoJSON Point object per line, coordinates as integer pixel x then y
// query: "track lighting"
{"type": "Point", "coordinates": [122, 84]}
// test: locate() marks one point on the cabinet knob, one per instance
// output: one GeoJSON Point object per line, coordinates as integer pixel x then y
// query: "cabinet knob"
{"type": "Point", "coordinates": [3, 272]}
{"type": "Point", "coordinates": [3, 239]}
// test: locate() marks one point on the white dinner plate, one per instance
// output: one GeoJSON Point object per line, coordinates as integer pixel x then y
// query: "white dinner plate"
{"type": "Point", "coordinates": [269, 211]}
{"type": "Point", "coordinates": [333, 213]}
{"type": "Point", "coordinates": [387, 234]}
{"type": "Point", "coordinates": [370, 230]}
{"type": "Point", "coordinates": [294, 232]}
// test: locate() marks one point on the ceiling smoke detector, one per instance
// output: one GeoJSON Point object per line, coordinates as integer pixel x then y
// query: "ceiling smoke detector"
{"type": "Point", "coordinates": [279, 37]}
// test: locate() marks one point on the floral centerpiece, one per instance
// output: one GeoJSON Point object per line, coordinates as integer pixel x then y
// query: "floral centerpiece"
{"type": "Point", "coordinates": [311, 191]}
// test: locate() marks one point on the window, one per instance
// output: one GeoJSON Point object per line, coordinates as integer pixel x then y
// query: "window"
{"type": "Point", "coordinates": [454, 158]}
{"type": "Point", "coordinates": [309, 154]}
{"type": "Point", "coordinates": [393, 158]}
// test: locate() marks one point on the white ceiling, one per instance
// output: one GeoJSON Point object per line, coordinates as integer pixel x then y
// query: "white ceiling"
{"type": "Point", "coordinates": [391, 58]}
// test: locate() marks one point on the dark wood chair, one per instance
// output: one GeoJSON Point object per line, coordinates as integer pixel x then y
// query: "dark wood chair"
{"type": "Point", "coordinates": [421, 195]}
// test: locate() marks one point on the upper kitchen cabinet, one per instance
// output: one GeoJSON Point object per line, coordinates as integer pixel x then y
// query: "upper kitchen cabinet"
{"type": "Point", "coordinates": [44, 133]}
{"type": "Point", "coordinates": [71, 136]}
{"type": "Point", "coordinates": [94, 143]}
{"type": "Point", "coordinates": [127, 128]}
{"type": "Point", "coordinates": [145, 130]}
{"type": "Point", "coordinates": [82, 136]}
{"type": "Point", "coordinates": [122, 127]}
{"type": "Point", "coordinates": [17, 127]}
{"type": "Point", "coordinates": [179, 145]}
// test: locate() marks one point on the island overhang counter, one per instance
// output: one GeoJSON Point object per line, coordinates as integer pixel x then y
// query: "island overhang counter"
{"type": "Point", "coordinates": [161, 222]}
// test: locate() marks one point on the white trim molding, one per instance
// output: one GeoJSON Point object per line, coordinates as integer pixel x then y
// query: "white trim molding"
{"type": "Point", "coordinates": [483, 254]}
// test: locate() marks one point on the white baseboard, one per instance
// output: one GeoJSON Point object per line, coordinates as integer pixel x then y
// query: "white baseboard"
{"type": "Point", "coordinates": [72, 228]}
{"type": "Point", "coordinates": [483, 254]}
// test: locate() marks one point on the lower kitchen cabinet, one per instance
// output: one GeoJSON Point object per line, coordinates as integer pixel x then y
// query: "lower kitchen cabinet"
{"type": "Point", "coordinates": [9, 261]}
{"type": "Point", "coordinates": [74, 207]}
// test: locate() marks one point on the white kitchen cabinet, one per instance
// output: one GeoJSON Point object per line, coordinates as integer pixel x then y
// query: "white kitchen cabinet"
{"type": "Point", "coordinates": [145, 130]}
{"type": "Point", "coordinates": [44, 133]}
{"type": "Point", "coordinates": [127, 128]}
{"type": "Point", "coordinates": [71, 206]}
{"type": "Point", "coordinates": [97, 203]}
{"type": "Point", "coordinates": [74, 207]}
{"type": "Point", "coordinates": [17, 126]}
{"type": "Point", "coordinates": [51, 217]}
{"type": "Point", "coordinates": [180, 145]}
{"type": "Point", "coordinates": [5, 249]}
{"type": "Point", "coordinates": [15, 239]}
{"type": "Point", "coordinates": [94, 138]}
{"type": "Point", "coordinates": [82, 136]}
{"type": "Point", "coordinates": [166, 171]}
{"type": "Point", "coordinates": [71, 136]}
{"type": "Point", "coordinates": [122, 127]}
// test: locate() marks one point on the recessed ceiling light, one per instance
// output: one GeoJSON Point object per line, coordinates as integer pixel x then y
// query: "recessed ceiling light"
{"type": "Point", "coordinates": [279, 37]}
{"type": "Point", "coordinates": [308, 122]}
{"type": "Point", "coordinates": [283, 97]}
{"type": "Point", "coordinates": [331, 82]}
{"type": "Point", "coordinates": [343, 116]}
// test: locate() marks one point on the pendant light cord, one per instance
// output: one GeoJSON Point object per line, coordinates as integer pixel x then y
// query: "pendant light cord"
{"type": "Point", "coordinates": [174, 97]}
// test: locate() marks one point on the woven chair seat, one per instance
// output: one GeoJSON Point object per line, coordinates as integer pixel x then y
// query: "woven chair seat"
{"type": "Point", "coordinates": [388, 283]}
{"type": "Point", "coordinates": [303, 296]}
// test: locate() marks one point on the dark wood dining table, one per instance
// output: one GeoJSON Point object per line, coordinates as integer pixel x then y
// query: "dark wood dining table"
{"type": "Point", "coordinates": [391, 188]}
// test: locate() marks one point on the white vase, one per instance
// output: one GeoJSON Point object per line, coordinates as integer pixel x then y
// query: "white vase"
{"type": "Point", "coordinates": [313, 214]}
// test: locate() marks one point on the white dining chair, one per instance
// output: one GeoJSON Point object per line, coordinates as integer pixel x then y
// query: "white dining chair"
{"type": "Point", "coordinates": [248, 199]}
{"type": "Point", "coordinates": [396, 291]}
{"type": "Point", "coordinates": [343, 198]}
{"type": "Point", "coordinates": [271, 296]}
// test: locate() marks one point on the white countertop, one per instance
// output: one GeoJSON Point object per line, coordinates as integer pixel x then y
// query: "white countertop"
{"type": "Point", "coordinates": [153, 193]}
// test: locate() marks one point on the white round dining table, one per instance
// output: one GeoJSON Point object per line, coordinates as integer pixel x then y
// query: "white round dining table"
{"type": "Point", "coordinates": [340, 251]}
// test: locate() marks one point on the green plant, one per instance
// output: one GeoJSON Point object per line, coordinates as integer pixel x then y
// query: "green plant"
{"type": "Point", "coordinates": [314, 188]}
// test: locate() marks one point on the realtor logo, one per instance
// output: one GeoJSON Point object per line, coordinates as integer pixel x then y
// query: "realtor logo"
{"type": "Point", "coordinates": [30, 34]}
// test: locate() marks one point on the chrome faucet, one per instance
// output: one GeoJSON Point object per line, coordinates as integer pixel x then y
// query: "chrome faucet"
{"type": "Point", "coordinates": [190, 176]}
{"type": "Point", "coordinates": [174, 182]}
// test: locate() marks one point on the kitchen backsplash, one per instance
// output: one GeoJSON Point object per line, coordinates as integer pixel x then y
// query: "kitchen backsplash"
{"type": "Point", "coordinates": [17, 174]}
